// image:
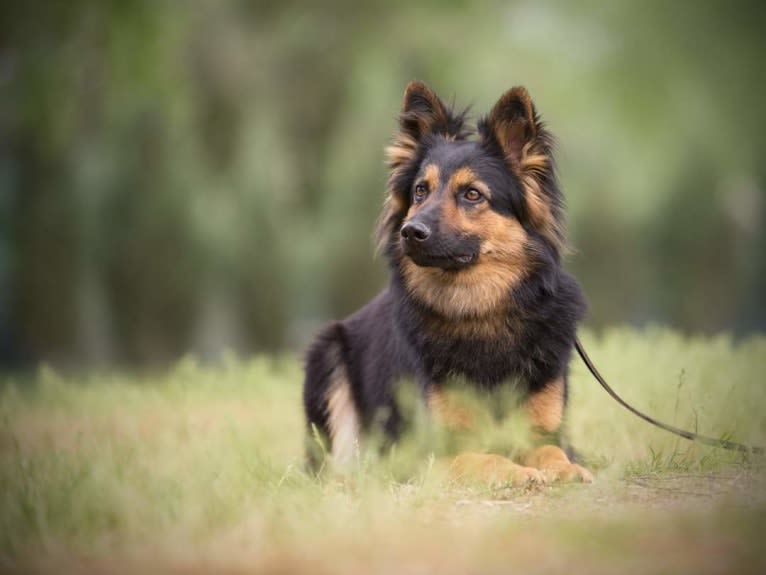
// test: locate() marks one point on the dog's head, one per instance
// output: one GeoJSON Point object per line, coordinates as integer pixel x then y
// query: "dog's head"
{"type": "Point", "coordinates": [466, 219]}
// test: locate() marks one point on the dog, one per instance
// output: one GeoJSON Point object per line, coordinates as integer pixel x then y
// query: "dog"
{"type": "Point", "coordinates": [473, 231]}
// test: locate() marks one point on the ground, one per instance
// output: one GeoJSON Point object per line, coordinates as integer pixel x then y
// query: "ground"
{"type": "Point", "coordinates": [200, 469]}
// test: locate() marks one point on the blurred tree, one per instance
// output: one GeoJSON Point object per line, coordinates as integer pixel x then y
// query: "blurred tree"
{"type": "Point", "coordinates": [207, 177]}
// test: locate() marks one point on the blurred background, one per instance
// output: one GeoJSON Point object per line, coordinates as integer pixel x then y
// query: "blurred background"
{"type": "Point", "coordinates": [204, 176]}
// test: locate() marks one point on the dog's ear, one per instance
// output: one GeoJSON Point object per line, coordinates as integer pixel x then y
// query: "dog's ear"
{"type": "Point", "coordinates": [422, 113]}
{"type": "Point", "coordinates": [513, 124]}
{"type": "Point", "coordinates": [514, 128]}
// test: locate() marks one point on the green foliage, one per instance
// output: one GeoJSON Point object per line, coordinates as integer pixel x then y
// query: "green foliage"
{"type": "Point", "coordinates": [211, 458]}
{"type": "Point", "coordinates": [190, 179]}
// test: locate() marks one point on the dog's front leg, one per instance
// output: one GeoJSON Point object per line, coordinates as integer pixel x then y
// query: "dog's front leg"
{"type": "Point", "coordinates": [493, 470]}
{"type": "Point", "coordinates": [484, 468]}
{"type": "Point", "coordinates": [545, 409]}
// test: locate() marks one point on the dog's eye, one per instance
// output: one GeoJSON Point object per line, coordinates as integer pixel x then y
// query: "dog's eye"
{"type": "Point", "coordinates": [472, 195]}
{"type": "Point", "coordinates": [420, 193]}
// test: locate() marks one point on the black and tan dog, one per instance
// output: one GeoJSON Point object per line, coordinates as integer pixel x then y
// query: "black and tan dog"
{"type": "Point", "coordinates": [473, 230]}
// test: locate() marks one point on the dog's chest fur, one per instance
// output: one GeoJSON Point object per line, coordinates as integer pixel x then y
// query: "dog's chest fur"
{"type": "Point", "coordinates": [523, 344]}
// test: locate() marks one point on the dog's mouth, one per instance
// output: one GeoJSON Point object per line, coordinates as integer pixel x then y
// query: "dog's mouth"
{"type": "Point", "coordinates": [452, 262]}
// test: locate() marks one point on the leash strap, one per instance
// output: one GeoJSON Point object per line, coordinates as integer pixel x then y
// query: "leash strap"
{"type": "Point", "coordinates": [724, 443]}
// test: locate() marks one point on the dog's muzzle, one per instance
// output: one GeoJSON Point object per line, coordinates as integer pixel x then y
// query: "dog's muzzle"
{"type": "Point", "coordinates": [428, 248]}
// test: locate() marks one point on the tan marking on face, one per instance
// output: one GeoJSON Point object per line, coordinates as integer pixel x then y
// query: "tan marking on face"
{"type": "Point", "coordinates": [451, 217]}
{"type": "Point", "coordinates": [465, 177]}
{"type": "Point", "coordinates": [546, 407]}
{"type": "Point", "coordinates": [342, 418]}
{"type": "Point", "coordinates": [431, 177]}
{"type": "Point", "coordinates": [484, 287]}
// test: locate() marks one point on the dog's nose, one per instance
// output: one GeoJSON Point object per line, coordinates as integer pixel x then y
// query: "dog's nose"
{"type": "Point", "coordinates": [416, 231]}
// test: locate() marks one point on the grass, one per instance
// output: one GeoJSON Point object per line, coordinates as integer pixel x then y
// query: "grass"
{"type": "Point", "coordinates": [199, 469]}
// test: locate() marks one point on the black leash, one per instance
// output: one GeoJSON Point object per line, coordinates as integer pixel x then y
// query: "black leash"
{"type": "Point", "coordinates": [725, 443]}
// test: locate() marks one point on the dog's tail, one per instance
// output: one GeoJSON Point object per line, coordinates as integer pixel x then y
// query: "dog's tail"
{"type": "Point", "coordinates": [724, 443]}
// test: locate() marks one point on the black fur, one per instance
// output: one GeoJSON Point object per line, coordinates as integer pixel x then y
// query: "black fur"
{"type": "Point", "coordinates": [396, 336]}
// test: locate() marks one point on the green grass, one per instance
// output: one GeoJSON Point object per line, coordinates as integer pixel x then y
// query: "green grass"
{"type": "Point", "coordinates": [200, 469]}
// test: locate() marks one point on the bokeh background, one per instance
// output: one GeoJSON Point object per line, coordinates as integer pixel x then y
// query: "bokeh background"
{"type": "Point", "coordinates": [203, 176]}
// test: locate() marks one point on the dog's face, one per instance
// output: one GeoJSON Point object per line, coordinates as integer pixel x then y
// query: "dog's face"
{"type": "Point", "coordinates": [463, 208]}
{"type": "Point", "coordinates": [467, 219]}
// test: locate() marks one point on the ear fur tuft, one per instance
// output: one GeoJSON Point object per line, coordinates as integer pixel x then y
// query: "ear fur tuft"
{"type": "Point", "coordinates": [422, 116]}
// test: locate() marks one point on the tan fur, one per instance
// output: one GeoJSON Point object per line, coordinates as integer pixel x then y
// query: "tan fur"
{"type": "Point", "coordinates": [555, 465]}
{"type": "Point", "coordinates": [483, 327]}
{"type": "Point", "coordinates": [404, 144]}
{"type": "Point", "coordinates": [431, 176]}
{"type": "Point", "coordinates": [512, 133]}
{"type": "Point", "coordinates": [342, 418]}
{"type": "Point", "coordinates": [483, 288]}
{"type": "Point", "coordinates": [532, 166]}
{"type": "Point", "coordinates": [474, 302]}
{"type": "Point", "coordinates": [546, 407]}
{"type": "Point", "coordinates": [401, 150]}
{"type": "Point", "coordinates": [437, 113]}
{"type": "Point", "coordinates": [522, 140]}
{"type": "Point", "coordinates": [464, 177]}
{"type": "Point", "coordinates": [392, 206]}
{"type": "Point", "coordinates": [492, 470]}
{"type": "Point", "coordinates": [471, 296]}
{"type": "Point", "coordinates": [447, 412]}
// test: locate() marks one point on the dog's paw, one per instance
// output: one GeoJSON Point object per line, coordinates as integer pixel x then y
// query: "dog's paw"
{"type": "Point", "coordinates": [493, 470]}
{"type": "Point", "coordinates": [519, 476]}
{"type": "Point", "coordinates": [555, 465]}
{"type": "Point", "coordinates": [568, 473]}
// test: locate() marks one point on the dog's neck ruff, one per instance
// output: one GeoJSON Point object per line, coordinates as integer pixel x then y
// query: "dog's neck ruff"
{"type": "Point", "coordinates": [477, 293]}
{"type": "Point", "coordinates": [453, 295]}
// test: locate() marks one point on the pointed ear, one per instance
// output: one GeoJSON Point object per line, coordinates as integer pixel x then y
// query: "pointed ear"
{"type": "Point", "coordinates": [422, 113]}
{"type": "Point", "coordinates": [513, 124]}
{"type": "Point", "coordinates": [514, 128]}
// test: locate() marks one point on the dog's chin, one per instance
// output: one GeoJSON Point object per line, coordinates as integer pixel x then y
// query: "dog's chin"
{"type": "Point", "coordinates": [454, 262]}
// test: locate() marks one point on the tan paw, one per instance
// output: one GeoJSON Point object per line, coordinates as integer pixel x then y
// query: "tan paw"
{"type": "Point", "coordinates": [493, 470]}
{"type": "Point", "coordinates": [568, 473]}
{"type": "Point", "coordinates": [520, 476]}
